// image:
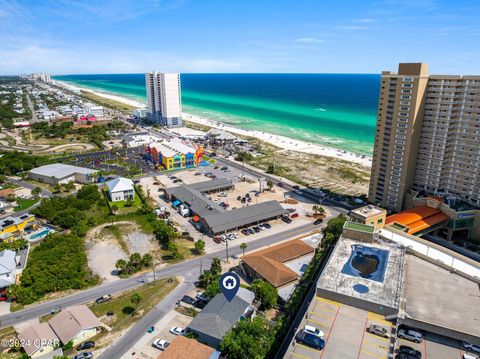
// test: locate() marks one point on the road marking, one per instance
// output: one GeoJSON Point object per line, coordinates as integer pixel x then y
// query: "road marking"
{"type": "Point", "coordinates": [330, 332]}
{"type": "Point", "coordinates": [374, 354]}
{"type": "Point", "coordinates": [363, 336]}
{"type": "Point", "coordinates": [328, 301]}
{"type": "Point", "coordinates": [305, 347]}
{"type": "Point", "coordinates": [376, 345]}
{"type": "Point", "coordinates": [328, 309]}
{"type": "Point", "coordinates": [378, 337]}
{"type": "Point", "coordinates": [379, 318]}
{"type": "Point", "coordinates": [299, 355]}
{"type": "Point", "coordinates": [316, 322]}
{"type": "Point", "coordinates": [319, 315]}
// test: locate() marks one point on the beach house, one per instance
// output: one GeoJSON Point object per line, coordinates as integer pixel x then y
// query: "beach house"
{"type": "Point", "coordinates": [120, 189]}
{"type": "Point", "coordinates": [13, 227]}
{"type": "Point", "coordinates": [8, 268]}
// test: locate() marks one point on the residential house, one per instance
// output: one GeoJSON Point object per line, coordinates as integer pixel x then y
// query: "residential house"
{"type": "Point", "coordinates": [120, 189]}
{"type": "Point", "coordinates": [186, 348]}
{"type": "Point", "coordinates": [13, 227]}
{"type": "Point", "coordinates": [219, 316]}
{"type": "Point", "coordinates": [4, 193]}
{"type": "Point", "coordinates": [8, 268]}
{"type": "Point", "coordinates": [280, 265]}
{"type": "Point", "coordinates": [38, 340]}
{"type": "Point", "coordinates": [75, 324]}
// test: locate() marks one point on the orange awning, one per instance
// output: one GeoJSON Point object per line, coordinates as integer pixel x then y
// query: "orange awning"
{"type": "Point", "coordinates": [196, 218]}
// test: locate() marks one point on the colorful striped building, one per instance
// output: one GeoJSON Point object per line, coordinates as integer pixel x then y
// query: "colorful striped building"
{"type": "Point", "coordinates": [174, 155]}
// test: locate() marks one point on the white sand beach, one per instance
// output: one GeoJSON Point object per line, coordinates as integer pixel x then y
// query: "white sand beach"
{"type": "Point", "coordinates": [285, 143]}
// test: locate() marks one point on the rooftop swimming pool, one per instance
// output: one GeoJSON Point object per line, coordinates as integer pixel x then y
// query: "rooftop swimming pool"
{"type": "Point", "coordinates": [367, 262]}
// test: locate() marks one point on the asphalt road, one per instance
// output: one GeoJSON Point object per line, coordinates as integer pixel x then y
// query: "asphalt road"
{"type": "Point", "coordinates": [188, 269]}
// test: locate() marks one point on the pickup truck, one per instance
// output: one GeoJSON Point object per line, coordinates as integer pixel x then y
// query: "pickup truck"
{"type": "Point", "coordinates": [103, 298]}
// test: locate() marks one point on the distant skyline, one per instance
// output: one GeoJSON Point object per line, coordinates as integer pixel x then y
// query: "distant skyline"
{"type": "Point", "coordinates": [122, 36]}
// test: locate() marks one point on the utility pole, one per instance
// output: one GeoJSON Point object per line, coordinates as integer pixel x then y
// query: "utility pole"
{"type": "Point", "coordinates": [226, 244]}
{"type": "Point", "coordinates": [153, 271]}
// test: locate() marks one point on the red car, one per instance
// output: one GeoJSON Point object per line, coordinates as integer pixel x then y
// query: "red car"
{"type": "Point", "coordinates": [217, 239]}
{"type": "Point", "coordinates": [295, 215]}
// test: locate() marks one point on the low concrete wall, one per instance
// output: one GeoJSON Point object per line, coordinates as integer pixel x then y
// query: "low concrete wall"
{"type": "Point", "coordinates": [450, 333]}
{"type": "Point", "coordinates": [357, 302]}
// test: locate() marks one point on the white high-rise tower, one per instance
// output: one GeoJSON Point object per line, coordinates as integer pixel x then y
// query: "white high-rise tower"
{"type": "Point", "coordinates": [164, 99]}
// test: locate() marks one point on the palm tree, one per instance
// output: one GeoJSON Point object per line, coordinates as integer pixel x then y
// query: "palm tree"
{"type": "Point", "coordinates": [315, 209]}
{"type": "Point", "coordinates": [243, 247]}
{"type": "Point", "coordinates": [121, 264]}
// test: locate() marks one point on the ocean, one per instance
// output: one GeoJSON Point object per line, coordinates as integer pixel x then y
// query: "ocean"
{"type": "Point", "coordinates": [336, 110]}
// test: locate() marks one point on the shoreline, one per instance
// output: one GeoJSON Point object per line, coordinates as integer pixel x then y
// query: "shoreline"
{"type": "Point", "coordinates": [283, 142]}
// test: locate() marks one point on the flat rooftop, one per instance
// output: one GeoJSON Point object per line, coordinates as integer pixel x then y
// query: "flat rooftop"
{"type": "Point", "coordinates": [359, 227]}
{"type": "Point", "coordinates": [368, 211]}
{"type": "Point", "coordinates": [386, 293]}
{"type": "Point", "coordinates": [60, 170]}
{"type": "Point", "coordinates": [435, 295]}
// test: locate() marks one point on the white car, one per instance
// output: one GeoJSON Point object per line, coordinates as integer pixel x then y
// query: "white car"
{"type": "Point", "coordinates": [177, 331]}
{"type": "Point", "coordinates": [471, 347]}
{"type": "Point", "coordinates": [411, 335]}
{"type": "Point", "coordinates": [161, 344]}
{"type": "Point", "coordinates": [315, 331]}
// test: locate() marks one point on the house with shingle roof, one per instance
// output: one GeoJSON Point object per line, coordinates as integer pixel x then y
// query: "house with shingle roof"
{"type": "Point", "coordinates": [76, 324]}
{"type": "Point", "coordinates": [280, 265]}
{"type": "Point", "coordinates": [186, 348]}
{"type": "Point", "coordinates": [38, 340]}
{"type": "Point", "coordinates": [220, 315]}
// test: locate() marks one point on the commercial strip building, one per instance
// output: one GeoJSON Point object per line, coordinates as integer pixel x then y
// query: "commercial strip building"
{"type": "Point", "coordinates": [213, 219]}
{"type": "Point", "coordinates": [406, 279]}
{"type": "Point", "coordinates": [281, 265]}
{"type": "Point", "coordinates": [426, 137]}
{"type": "Point", "coordinates": [59, 173]}
{"type": "Point", "coordinates": [174, 154]}
{"type": "Point", "coordinates": [220, 315]}
{"type": "Point", "coordinates": [164, 99]}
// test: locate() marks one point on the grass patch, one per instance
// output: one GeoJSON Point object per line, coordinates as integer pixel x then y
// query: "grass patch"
{"type": "Point", "coordinates": [116, 105]}
{"type": "Point", "coordinates": [189, 312]}
{"type": "Point", "coordinates": [186, 251]}
{"type": "Point", "coordinates": [24, 203]}
{"type": "Point", "coordinates": [118, 231]}
{"type": "Point", "coordinates": [123, 206]}
{"type": "Point", "coordinates": [124, 312]}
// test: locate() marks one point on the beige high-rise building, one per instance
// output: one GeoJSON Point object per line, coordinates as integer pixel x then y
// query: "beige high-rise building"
{"type": "Point", "coordinates": [427, 136]}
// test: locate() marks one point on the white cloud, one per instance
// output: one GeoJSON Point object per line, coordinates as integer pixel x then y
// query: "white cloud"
{"type": "Point", "coordinates": [310, 40]}
{"type": "Point", "coordinates": [351, 27]}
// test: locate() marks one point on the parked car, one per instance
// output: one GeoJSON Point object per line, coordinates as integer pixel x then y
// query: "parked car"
{"type": "Point", "coordinates": [280, 184]}
{"type": "Point", "coordinates": [286, 220]}
{"type": "Point", "coordinates": [318, 221]}
{"type": "Point", "coordinates": [411, 335]}
{"type": "Point", "coordinates": [245, 232]}
{"type": "Point", "coordinates": [200, 304]}
{"type": "Point", "coordinates": [84, 355]}
{"type": "Point", "coordinates": [224, 168]}
{"type": "Point", "coordinates": [294, 215]}
{"type": "Point", "coordinates": [189, 300]}
{"type": "Point", "coordinates": [404, 356]}
{"type": "Point", "coordinates": [291, 210]}
{"type": "Point", "coordinates": [150, 329]}
{"type": "Point", "coordinates": [405, 349]}
{"type": "Point", "coordinates": [177, 331]}
{"type": "Point", "coordinates": [256, 229]}
{"type": "Point", "coordinates": [86, 345]}
{"type": "Point", "coordinates": [296, 187]}
{"type": "Point", "coordinates": [310, 340]}
{"type": "Point", "coordinates": [471, 347]}
{"type": "Point", "coordinates": [267, 225]}
{"type": "Point", "coordinates": [103, 298]}
{"type": "Point", "coordinates": [251, 231]}
{"type": "Point", "coordinates": [161, 344]}
{"type": "Point", "coordinates": [217, 239]}
{"type": "Point", "coordinates": [378, 330]}
{"type": "Point", "coordinates": [315, 331]}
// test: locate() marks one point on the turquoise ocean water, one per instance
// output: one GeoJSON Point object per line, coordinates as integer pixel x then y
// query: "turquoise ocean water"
{"type": "Point", "coordinates": [337, 110]}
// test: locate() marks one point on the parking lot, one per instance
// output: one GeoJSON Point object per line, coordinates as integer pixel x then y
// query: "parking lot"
{"type": "Point", "coordinates": [345, 332]}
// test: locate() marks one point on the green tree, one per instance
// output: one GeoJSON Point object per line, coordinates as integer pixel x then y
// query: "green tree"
{"type": "Point", "coordinates": [269, 185]}
{"type": "Point", "coordinates": [114, 208]}
{"type": "Point", "coordinates": [216, 266]}
{"type": "Point", "coordinates": [335, 226]}
{"type": "Point", "coordinates": [173, 248]}
{"type": "Point", "coordinates": [199, 246]}
{"type": "Point", "coordinates": [265, 292]}
{"type": "Point", "coordinates": [164, 233]}
{"type": "Point", "coordinates": [57, 188]}
{"type": "Point", "coordinates": [248, 339]}
{"type": "Point", "coordinates": [147, 260]}
{"type": "Point", "coordinates": [135, 259]}
{"type": "Point", "coordinates": [213, 288]}
{"type": "Point", "coordinates": [36, 191]}
{"type": "Point", "coordinates": [129, 202]}
{"type": "Point", "coordinates": [136, 298]}
{"type": "Point", "coordinates": [243, 247]}
{"type": "Point", "coordinates": [121, 264]}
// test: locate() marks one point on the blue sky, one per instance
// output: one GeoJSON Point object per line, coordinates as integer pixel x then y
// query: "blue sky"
{"type": "Point", "coordinates": [121, 36]}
